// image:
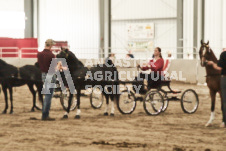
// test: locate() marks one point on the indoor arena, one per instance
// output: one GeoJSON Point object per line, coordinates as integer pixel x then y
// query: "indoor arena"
{"type": "Point", "coordinates": [110, 75]}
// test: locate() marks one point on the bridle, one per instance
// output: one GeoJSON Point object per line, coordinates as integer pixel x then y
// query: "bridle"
{"type": "Point", "coordinates": [203, 55]}
{"type": "Point", "coordinates": [205, 63]}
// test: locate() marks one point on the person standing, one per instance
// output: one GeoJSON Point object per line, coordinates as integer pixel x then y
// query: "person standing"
{"type": "Point", "coordinates": [221, 65]}
{"type": "Point", "coordinates": [44, 60]}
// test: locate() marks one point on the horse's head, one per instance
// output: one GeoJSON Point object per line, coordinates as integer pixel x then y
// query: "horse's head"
{"type": "Point", "coordinates": [205, 53]}
{"type": "Point", "coordinates": [64, 54]}
{"type": "Point", "coordinates": [71, 59]}
{"type": "Point", "coordinates": [36, 65]}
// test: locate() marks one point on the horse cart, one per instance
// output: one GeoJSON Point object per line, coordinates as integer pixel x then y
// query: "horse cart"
{"type": "Point", "coordinates": [155, 100]}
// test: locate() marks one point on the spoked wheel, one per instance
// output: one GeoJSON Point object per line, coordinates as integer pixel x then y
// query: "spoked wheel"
{"type": "Point", "coordinates": [189, 101]}
{"type": "Point", "coordinates": [127, 102]}
{"type": "Point", "coordinates": [166, 104]}
{"type": "Point", "coordinates": [64, 97]}
{"type": "Point", "coordinates": [153, 102]}
{"type": "Point", "coordinates": [96, 98]}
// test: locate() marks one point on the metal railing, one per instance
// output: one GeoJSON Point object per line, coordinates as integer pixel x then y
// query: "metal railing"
{"type": "Point", "coordinates": [120, 53]}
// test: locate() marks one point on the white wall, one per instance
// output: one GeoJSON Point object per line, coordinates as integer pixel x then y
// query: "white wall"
{"type": "Point", "coordinates": [165, 36]}
{"type": "Point", "coordinates": [224, 24]}
{"type": "Point", "coordinates": [12, 18]}
{"type": "Point", "coordinates": [215, 24]}
{"type": "Point", "coordinates": [161, 12]}
{"type": "Point", "coordinates": [75, 21]}
{"type": "Point", "coordinates": [143, 9]}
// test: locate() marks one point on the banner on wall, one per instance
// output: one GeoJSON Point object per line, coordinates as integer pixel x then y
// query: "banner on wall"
{"type": "Point", "coordinates": [141, 31]}
{"type": "Point", "coordinates": [141, 36]}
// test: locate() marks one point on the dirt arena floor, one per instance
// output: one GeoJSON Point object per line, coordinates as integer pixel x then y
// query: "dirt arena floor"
{"type": "Point", "coordinates": [172, 130]}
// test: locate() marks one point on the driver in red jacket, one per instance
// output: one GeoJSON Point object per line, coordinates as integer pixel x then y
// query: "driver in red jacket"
{"type": "Point", "coordinates": [156, 65]}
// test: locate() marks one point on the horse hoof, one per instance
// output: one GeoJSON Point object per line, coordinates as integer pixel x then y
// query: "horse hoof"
{"type": "Point", "coordinates": [77, 117]}
{"type": "Point", "coordinates": [38, 108]}
{"type": "Point", "coordinates": [208, 125]}
{"type": "Point", "coordinates": [4, 112]}
{"type": "Point", "coordinates": [223, 125]}
{"type": "Point", "coordinates": [11, 112]}
{"type": "Point", "coordinates": [32, 110]}
{"type": "Point", "coordinates": [106, 114]}
{"type": "Point", "coordinates": [65, 117]}
{"type": "Point", "coordinates": [112, 114]}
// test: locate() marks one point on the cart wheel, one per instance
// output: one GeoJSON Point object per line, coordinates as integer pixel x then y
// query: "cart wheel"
{"type": "Point", "coordinates": [96, 98]}
{"type": "Point", "coordinates": [64, 97]}
{"type": "Point", "coordinates": [153, 102]}
{"type": "Point", "coordinates": [127, 102]}
{"type": "Point", "coordinates": [189, 101]}
{"type": "Point", "coordinates": [166, 104]}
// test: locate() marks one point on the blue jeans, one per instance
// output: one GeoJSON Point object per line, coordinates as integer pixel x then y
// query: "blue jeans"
{"type": "Point", "coordinates": [223, 91]}
{"type": "Point", "coordinates": [47, 80]}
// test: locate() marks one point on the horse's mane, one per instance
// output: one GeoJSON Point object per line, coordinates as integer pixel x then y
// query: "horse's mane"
{"type": "Point", "coordinates": [209, 69]}
{"type": "Point", "coordinates": [75, 60]}
{"type": "Point", "coordinates": [2, 62]}
{"type": "Point", "coordinates": [214, 58]}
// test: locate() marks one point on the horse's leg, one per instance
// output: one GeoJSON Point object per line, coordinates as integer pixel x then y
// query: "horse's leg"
{"type": "Point", "coordinates": [39, 89]}
{"type": "Point", "coordinates": [113, 105]}
{"type": "Point", "coordinates": [78, 104]}
{"type": "Point", "coordinates": [212, 116]}
{"type": "Point", "coordinates": [31, 88]}
{"type": "Point", "coordinates": [11, 99]}
{"type": "Point", "coordinates": [69, 107]}
{"type": "Point", "coordinates": [4, 88]}
{"type": "Point", "coordinates": [107, 104]}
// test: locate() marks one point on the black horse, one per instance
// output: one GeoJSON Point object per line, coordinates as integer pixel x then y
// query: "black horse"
{"type": "Point", "coordinates": [79, 76]}
{"type": "Point", "coordinates": [11, 76]}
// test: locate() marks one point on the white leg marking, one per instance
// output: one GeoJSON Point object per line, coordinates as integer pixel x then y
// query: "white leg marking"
{"type": "Point", "coordinates": [113, 106]}
{"type": "Point", "coordinates": [66, 113]}
{"type": "Point", "coordinates": [212, 116]}
{"type": "Point", "coordinates": [106, 108]}
{"type": "Point", "coordinates": [78, 112]}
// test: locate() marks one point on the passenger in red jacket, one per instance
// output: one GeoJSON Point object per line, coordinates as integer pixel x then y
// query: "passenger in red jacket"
{"type": "Point", "coordinates": [156, 65]}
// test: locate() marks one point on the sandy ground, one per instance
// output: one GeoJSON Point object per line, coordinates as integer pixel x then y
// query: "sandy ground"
{"type": "Point", "coordinates": [172, 130]}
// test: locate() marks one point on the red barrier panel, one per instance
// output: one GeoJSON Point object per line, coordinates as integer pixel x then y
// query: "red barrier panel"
{"type": "Point", "coordinates": [24, 48]}
{"type": "Point", "coordinates": [19, 43]}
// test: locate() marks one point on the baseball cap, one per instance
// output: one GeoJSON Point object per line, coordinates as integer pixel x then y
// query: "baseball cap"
{"type": "Point", "coordinates": [50, 42]}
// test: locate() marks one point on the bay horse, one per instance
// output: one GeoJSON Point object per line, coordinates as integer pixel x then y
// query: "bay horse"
{"type": "Point", "coordinates": [213, 76]}
{"type": "Point", "coordinates": [79, 73]}
{"type": "Point", "coordinates": [11, 76]}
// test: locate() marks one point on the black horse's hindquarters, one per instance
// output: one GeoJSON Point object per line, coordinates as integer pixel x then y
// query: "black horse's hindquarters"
{"type": "Point", "coordinates": [11, 76]}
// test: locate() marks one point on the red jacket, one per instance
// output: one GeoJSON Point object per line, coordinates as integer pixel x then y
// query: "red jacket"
{"type": "Point", "coordinates": [154, 66]}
